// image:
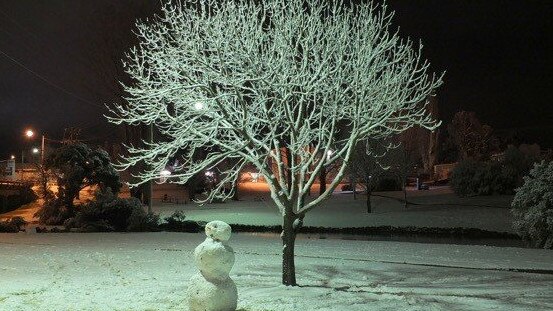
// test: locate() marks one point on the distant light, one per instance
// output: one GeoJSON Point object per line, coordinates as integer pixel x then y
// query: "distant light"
{"type": "Point", "coordinates": [12, 157]}
{"type": "Point", "coordinates": [29, 133]}
{"type": "Point", "coordinates": [35, 150]}
{"type": "Point", "coordinates": [255, 176]}
{"type": "Point", "coordinates": [199, 106]}
{"type": "Point", "coordinates": [163, 175]}
{"type": "Point", "coordinates": [209, 174]}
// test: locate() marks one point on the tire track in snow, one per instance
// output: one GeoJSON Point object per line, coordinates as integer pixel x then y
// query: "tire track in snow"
{"type": "Point", "coordinates": [517, 270]}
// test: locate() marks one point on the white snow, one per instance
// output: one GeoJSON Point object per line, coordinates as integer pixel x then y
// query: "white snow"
{"type": "Point", "coordinates": [208, 296]}
{"type": "Point", "coordinates": [151, 271]}
{"type": "Point", "coordinates": [438, 208]}
{"type": "Point", "coordinates": [212, 289]}
{"type": "Point", "coordinates": [214, 259]}
{"type": "Point", "coordinates": [218, 230]}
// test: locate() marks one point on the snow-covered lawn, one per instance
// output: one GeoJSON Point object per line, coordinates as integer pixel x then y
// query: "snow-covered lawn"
{"type": "Point", "coordinates": [438, 208]}
{"type": "Point", "coordinates": [150, 271]}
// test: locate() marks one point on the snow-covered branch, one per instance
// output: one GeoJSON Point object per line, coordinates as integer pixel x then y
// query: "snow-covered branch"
{"type": "Point", "coordinates": [270, 83]}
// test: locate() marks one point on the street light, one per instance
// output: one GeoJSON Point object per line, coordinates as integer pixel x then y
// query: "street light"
{"type": "Point", "coordinates": [163, 175]}
{"type": "Point", "coordinates": [29, 133]}
{"type": "Point", "coordinates": [12, 157]}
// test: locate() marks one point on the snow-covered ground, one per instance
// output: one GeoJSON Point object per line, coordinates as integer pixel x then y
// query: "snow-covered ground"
{"type": "Point", "coordinates": [437, 208]}
{"type": "Point", "coordinates": [150, 271]}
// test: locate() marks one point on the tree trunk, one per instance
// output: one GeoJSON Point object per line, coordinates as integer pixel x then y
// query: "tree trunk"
{"type": "Point", "coordinates": [404, 195]}
{"type": "Point", "coordinates": [136, 192]}
{"type": "Point", "coordinates": [369, 206]}
{"type": "Point", "coordinates": [235, 196]}
{"type": "Point", "coordinates": [43, 175]}
{"type": "Point", "coordinates": [322, 180]}
{"type": "Point", "coordinates": [288, 242]}
{"type": "Point", "coordinates": [353, 188]}
{"type": "Point", "coordinates": [289, 162]}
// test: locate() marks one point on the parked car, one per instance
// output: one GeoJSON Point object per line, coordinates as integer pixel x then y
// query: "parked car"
{"type": "Point", "coordinates": [347, 187]}
{"type": "Point", "coordinates": [424, 186]}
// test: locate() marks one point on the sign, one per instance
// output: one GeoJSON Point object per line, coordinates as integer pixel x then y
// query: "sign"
{"type": "Point", "coordinates": [10, 169]}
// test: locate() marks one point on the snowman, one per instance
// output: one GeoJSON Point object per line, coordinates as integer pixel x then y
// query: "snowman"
{"type": "Point", "coordinates": [212, 289]}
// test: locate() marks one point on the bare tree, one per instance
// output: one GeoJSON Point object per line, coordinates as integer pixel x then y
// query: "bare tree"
{"type": "Point", "coordinates": [367, 167]}
{"type": "Point", "coordinates": [254, 80]}
{"type": "Point", "coordinates": [472, 138]}
{"type": "Point", "coordinates": [400, 162]}
{"type": "Point", "coordinates": [421, 144]}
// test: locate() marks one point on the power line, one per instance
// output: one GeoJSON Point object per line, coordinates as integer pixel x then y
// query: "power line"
{"type": "Point", "coordinates": [49, 82]}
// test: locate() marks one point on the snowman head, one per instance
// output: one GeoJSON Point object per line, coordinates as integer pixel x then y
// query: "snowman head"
{"type": "Point", "coordinates": [218, 230]}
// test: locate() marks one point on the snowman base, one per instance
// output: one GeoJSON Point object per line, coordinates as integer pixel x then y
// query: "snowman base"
{"type": "Point", "coordinates": [206, 296]}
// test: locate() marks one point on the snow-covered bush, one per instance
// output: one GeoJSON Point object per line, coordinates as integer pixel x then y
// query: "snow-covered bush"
{"type": "Point", "coordinates": [177, 222]}
{"type": "Point", "coordinates": [53, 212]}
{"type": "Point", "coordinates": [74, 167]}
{"type": "Point", "coordinates": [110, 213]}
{"type": "Point", "coordinates": [532, 207]}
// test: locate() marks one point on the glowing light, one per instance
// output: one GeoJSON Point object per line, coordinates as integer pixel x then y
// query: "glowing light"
{"type": "Point", "coordinates": [329, 154]}
{"type": "Point", "coordinates": [35, 150]}
{"type": "Point", "coordinates": [165, 173]}
{"type": "Point", "coordinates": [199, 106]}
{"type": "Point", "coordinates": [255, 176]}
{"type": "Point", "coordinates": [29, 133]}
{"type": "Point", "coordinates": [12, 157]}
{"type": "Point", "coordinates": [209, 173]}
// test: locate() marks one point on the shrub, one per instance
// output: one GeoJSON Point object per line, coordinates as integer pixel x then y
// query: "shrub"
{"type": "Point", "coordinates": [532, 207]}
{"type": "Point", "coordinates": [514, 166]}
{"type": "Point", "coordinates": [110, 213]}
{"type": "Point", "coordinates": [471, 177]}
{"type": "Point", "coordinates": [387, 184]}
{"type": "Point", "coordinates": [177, 222]}
{"type": "Point", "coordinates": [74, 167]}
{"type": "Point", "coordinates": [467, 177]}
{"type": "Point", "coordinates": [53, 212]}
{"type": "Point", "coordinates": [12, 225]}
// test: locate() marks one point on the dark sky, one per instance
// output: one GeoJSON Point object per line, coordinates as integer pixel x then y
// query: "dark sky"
{"type": "Point", "coordinates": [497, 54]}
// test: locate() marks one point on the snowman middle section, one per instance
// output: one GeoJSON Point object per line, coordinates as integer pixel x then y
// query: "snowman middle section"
{"type": "Point", "coordinates": [215, 260]}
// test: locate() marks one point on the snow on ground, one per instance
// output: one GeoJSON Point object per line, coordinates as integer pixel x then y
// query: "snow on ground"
{"type": "Point", "coordinates": [438, 208]}
{"type": "Point", "coordinates": [150, 271]}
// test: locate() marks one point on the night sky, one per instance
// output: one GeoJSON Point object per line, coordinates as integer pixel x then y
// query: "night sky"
{"type": "Point", "coordinates": [497, 54]}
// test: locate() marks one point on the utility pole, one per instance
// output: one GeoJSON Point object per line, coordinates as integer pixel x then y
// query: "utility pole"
{"type": "Point", "coordinates": [42, 151]}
